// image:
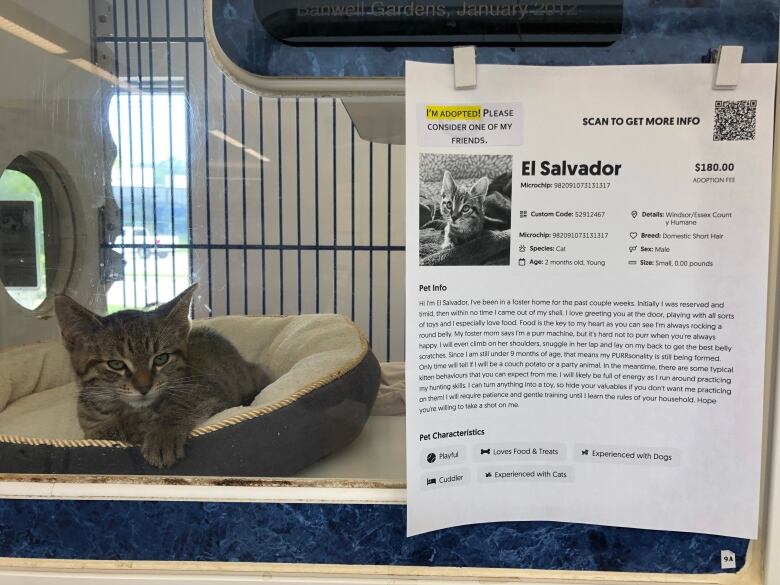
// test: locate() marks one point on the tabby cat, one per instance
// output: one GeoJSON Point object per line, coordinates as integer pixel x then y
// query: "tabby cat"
{"type": "Point", "coordinates": [463, 210]}
{"type": "Point", "coordinates": [147, 378]}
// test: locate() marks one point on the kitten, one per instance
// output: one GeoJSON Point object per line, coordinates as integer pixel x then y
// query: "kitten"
{"type": "Point", "coordinates": [463, 210]}
{"type": "Point", "coordinates": [146, 378]}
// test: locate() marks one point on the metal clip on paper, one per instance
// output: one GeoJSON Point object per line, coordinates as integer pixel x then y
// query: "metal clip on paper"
{"type": "Point", "coordinates": [727, 67]}
{"type": "Point", "coordinates": [464, 61]}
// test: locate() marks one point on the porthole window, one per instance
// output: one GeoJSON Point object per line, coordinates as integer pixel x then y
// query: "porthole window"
{"type": "Point", "coordinates": [23, 233]}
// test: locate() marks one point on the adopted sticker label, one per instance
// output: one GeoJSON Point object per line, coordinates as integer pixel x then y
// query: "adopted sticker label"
{"type": "Point", "coordinates": [491, 124]}
{"type": "Point", "coordinates": [453, 112]}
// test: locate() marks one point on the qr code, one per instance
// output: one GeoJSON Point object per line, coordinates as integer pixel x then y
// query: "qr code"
{"type": "Point", "coordinates": [735, 120]}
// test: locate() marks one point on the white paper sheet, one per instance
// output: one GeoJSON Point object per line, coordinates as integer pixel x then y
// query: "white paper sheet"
{"type": "Point", "coordinates": [600, 358]}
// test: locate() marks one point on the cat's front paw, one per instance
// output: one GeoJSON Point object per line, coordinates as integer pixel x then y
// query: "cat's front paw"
{"type": "Point", "coordinates": [162, 447]}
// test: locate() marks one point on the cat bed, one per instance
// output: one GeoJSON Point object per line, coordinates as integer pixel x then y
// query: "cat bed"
{"type": "Point", "coordinates": [324, 380]}
{"type": "Point", "coordinates": [489, 248]}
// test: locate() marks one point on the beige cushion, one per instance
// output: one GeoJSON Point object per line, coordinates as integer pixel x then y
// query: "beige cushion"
{"type": "Point", "coordinates": [38, 391]}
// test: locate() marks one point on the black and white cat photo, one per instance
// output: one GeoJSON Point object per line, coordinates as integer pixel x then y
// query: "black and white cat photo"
{"type": "Point", "coordinates": [465, 209]}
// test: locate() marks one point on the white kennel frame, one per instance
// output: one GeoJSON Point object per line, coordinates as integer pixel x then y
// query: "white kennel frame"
{"type": "Point", "coordinates": [763, 564]}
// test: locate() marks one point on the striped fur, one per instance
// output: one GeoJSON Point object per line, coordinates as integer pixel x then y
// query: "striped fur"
{"type": "Point", "coordinates": [146, 378]}
{"type": "Point", "coordinates": [463, 210]}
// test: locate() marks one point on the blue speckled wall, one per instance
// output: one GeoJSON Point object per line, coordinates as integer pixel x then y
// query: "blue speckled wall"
{"type": "Point", "coordinates": [336, 533]}
{"type": "Point", "coordinates": [654, 31]}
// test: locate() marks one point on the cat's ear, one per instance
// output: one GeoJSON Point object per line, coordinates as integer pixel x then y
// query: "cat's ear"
{"type": "Point", "coordinates": [76, 322]}
{"type": "Point", "coordinates": [447, 184]}
{"type": "Point", "coordinates": [479, 189]}
{"type": "Point", "coordinates": [177, 311]}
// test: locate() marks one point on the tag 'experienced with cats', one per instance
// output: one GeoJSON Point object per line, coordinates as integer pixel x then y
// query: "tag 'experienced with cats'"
{"type": "Point", "coordinates": [148, 378]}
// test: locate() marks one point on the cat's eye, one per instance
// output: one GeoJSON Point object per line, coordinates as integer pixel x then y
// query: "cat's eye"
{"type": "Point", "coordinates": [160, 360]}
{"type": "Point", "coordinates": [466, 208]}
{"type": "Point", "coordinates": [116, 364]}
{"type": "Point", "coordinates": [448, 204]}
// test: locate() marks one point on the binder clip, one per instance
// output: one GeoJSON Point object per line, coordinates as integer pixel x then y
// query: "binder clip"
{"type": "Point", "coordinates": [728, 63]}
{"type": "Point", "coordinates": [464, 60]}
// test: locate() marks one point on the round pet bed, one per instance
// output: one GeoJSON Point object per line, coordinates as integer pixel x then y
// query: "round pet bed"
{"type": "Point", "coordinates": [324, 380]}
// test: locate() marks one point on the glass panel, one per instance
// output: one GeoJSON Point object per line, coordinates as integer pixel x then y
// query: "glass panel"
{"type": "Point", "coordinates": [150, 184]}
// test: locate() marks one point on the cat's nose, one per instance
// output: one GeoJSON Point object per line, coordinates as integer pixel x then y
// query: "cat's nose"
{"type": "Point", "coordinates": [143, 390]}
{"type": "Point", "coordinates": [142, 381]}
